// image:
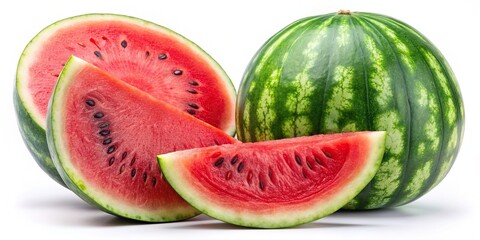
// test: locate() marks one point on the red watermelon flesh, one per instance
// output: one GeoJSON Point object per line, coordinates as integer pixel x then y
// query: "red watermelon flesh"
{"type": "Point", "coordinates": [275, 184]}
{"type": "Point", "coordinates": [145, 55]}
{"type": "Point", "coordinates": [104, 136]}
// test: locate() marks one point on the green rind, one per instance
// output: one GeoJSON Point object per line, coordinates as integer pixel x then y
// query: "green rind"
{"type": "Point", "coordinates": [295, 217]}
{"type": "Point", "coordinates": [34, 137]}
{"type": "Point", "coordinates": [61, 159]}
{"type": "Point", "coordinates": [370, 72]}
{"type": "Point", "coordinates": [31, 127]}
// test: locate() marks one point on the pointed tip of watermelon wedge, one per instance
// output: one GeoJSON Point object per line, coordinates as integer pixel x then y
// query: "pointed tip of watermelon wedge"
{"type": "Point", "coordinates": [275, 184]}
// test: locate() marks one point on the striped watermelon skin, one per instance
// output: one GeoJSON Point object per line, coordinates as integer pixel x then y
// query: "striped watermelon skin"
{"type": "Point", "coordinates": [34, 137]}
{"type": "Point", "coordinates": [343, 72]}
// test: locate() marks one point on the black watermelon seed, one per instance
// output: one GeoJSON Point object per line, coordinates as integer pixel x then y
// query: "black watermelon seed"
{"type": "Point", "coordinates": [103, 125]}
{"type": "Point", "coordinates": [270, 174]}
{"type": "Point", "coordinates": [329, 155]}
{"type": "Point", "coordinates": [98, 54]}
{"type": "Point", "coordinates": [98, 115]}
{"type": "Point", "coordinates": [124, 44]}
{"type": "Point", "coordinates": [234, 160]}
{"type": "Point", "coordinates": [124, 155]}
{"type": "Point", "coordinates": [191, 111]}
{"type": "Point", "coordinates": [192, 91]}
{"type": "Point", "coordinates": [219, 162]}
{"type": "Point", "coordinates": [111, 161]}
{"type": "Point", "coordinates": [193, 83]}
{"type": "Point", "coordinates": [133, 161]}
{"type": "Point", "coordinates": [104, 132]}
{"type": "Point", "coordinates": [147, 54]}
{"type": "Point", "coordinates": [111, 149]}
{"type": "Point", "coordinates": [144, 177]}
{"type": "Point", "coordinates": [178, 72]}
{"type": "Point", "coordinates": [162, 56]}
{"type": "Point", "coordinates": [193, 105]}
{"type": "Point", "coordinates": [154, 181]}
{"type": "Point", "coordinates": [304, 173]}
{"type": "Point", "coordinates": [134, 172]}
{"type": "Point", "coordinates": [309, 165]}
{"type": "Point", "coordinates": [107, 141]}
{"type": "Point", "coordinates": [240, 167]}
{"type": "Point", "coordinates": [298, 160]}
{"type": "Point", "coordinates": [262, 184]}
{"type": "Point", "coordinates": [90, 102]}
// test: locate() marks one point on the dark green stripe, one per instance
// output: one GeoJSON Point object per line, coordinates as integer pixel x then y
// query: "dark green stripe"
{"type": "Point", "coordinates": [293, 65]}
{"type": "Point", "coordinates": [254, 93]}
{"type": "Point", "coordinates": [35, 139]}
{"type": "Point", "coordinates": [358, 32]}
{"type": "Point", "coordinates": [421, 43]}
{"type": "Point", "coordinates": [444, 154]}
{"type": "Point", "coordinates": [406, 173]}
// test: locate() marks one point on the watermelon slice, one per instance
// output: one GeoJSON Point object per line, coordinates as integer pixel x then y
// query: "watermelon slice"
{"type": "Point", "coordinates": [104, 135]}
{"type": "Point", "coordinates": [141, 53]}
{"type": "Point", "coordinates": [278, 183]}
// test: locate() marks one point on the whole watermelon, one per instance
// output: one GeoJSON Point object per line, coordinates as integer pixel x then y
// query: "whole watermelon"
{"type": "Point", "coordinates": [352, 71]}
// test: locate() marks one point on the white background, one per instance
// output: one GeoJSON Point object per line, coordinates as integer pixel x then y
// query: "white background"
{"type": "Point", "coordinates": [33, 205]}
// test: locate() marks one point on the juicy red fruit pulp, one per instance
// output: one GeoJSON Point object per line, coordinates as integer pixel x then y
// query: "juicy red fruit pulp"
{"type": "Point", "coordinates": [113, 132]}
{"type": "Point", "coordinates": [264, 174]}
{"type": "Point", "coordinates": [278, 183]}
{"type": "Point", "coordinates": [155, 62]}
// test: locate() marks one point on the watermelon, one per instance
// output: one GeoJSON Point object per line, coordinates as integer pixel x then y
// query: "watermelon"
{"type": "Point", "coordinates": [355, 71]}
{"type": "Point", "coordinates": [143, 54]}
{"type": "Point", "coordinates": [104, 135]}
{"type": "Point", "coordinates": [277, 183]}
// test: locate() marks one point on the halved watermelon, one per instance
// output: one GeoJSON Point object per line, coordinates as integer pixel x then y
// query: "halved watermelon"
{"type": "Point", "coordinates": [148, 56]}
{"type": "Point", "coordinates": [278, 183]}
{"type": "Point", "coordinates": [104, 135]}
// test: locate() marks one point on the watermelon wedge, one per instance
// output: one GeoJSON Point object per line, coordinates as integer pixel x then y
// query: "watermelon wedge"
{"type": "Point", "coordinates": [277, 183]}
{"type": "Point", "coordinates": [148, 56]}
{"type": "Point", "coordinates": [104, 135]}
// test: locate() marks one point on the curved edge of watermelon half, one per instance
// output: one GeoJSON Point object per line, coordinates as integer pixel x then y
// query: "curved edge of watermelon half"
{"type": "Point", "coordinates": [31, 121]}
{"type": "Point", "coordinates": [278, 183]}
{"type": "Point", "coordinates": [33, 136]}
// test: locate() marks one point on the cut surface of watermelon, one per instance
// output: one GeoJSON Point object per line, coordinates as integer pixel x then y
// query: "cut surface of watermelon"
{"type": "Point", "coordinates": [104, 134]}
{"type": "Point", "coordinates": [141, 53]}
{"type": "Point", "coordinates": [278, 183]}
